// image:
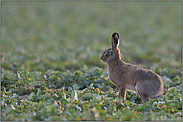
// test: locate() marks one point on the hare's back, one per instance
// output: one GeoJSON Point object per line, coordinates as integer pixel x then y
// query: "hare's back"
{"type": "Point", "coordinates": [143, 74]}
{"type": "Point", "coordinates": [139, 74]}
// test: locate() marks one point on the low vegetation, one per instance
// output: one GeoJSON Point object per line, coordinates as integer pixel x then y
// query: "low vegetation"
{"type": "Point", "coordinates": [51, 68]}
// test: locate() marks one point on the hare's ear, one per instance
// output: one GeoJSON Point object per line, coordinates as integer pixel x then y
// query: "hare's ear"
{"type": "Point", "coordinates": [115, 40]}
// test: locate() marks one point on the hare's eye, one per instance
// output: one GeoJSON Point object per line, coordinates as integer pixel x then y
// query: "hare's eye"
{"type": "Point", "coordinates": [108, 52]}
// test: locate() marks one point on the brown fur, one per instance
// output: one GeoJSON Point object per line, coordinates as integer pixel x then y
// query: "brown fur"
{"type": "Point", "coordinates": [127, 76]}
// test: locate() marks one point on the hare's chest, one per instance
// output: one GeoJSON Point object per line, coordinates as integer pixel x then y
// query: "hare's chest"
{"type": "Point", "coordinates": [116, 82]}
{"type": "Point", "coordinates": [114, 78]}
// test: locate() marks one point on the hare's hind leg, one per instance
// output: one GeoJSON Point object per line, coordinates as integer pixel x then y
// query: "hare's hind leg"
{"type": "Point", "coordinates": [143, 96]}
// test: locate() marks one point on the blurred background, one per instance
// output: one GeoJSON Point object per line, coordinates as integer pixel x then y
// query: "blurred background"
{"type": "Point", "coordinates": [37, 36]}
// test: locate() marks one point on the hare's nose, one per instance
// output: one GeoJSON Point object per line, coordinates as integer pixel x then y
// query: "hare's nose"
{"type": "Point", "coordinates": [102, 59]}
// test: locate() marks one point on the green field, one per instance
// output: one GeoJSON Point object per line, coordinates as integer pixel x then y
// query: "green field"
{"type": "Point", "coordinates": [51, 67]}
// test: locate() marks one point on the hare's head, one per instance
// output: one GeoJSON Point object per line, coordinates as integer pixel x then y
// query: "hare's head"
{"type": "Point", "coordinates": [113, 53]}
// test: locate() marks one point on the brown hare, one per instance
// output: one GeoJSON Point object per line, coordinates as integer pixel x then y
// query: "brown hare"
{"type": "Point", "coordinates": [130, 77]}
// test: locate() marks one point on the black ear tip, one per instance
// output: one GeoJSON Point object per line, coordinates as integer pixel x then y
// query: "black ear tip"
{"type": "Point", "coordinates": [114, 35]}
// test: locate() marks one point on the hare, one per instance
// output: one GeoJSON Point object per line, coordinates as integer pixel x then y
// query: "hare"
{"type": "Point", "coordinates": [130, 77]}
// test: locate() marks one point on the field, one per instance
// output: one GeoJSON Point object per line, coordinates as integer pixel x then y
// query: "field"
{"type": "Point", "coordinates": [51, 67]}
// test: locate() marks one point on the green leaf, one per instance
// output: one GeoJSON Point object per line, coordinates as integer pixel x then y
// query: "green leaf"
{"type": "Point", "coordinates": [8, 109]}
{"type": "Point", "coordinates": [78, 73]}
{"type": "Point", "coordinates": [75, 86]}
{"type": "Point", "coordinates": [39, 92]}
{"type": "Point", "coordinates": [14, 96]}
{"type": "Point", "coordinates": [74, 95]}
{"type": "Point", "coordinates": [51, 109]}
{"type": "Point", "coordinates": [70, 89]}
{"type": "Point", "coordinates": [87, 96]}
{"type": "Point", "coordinates": [95, 101]}
{"type": "Point", "coordinates": [139, 108]}
{"type": "Point", "coordinates": [31, 95]}
{"type": "Point", "coordinates": [128, 115]}
{"type": "Point", "coordinates": [40, 105]}
{"type": "Point", "coordinates": [53, 77]}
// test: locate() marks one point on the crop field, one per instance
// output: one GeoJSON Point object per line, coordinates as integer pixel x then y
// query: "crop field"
{"type": "Point", "coordinates": [51, 68]}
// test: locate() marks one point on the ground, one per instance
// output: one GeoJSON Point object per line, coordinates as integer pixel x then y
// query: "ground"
{"type": "Point", "coordinates": [50, 59]}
